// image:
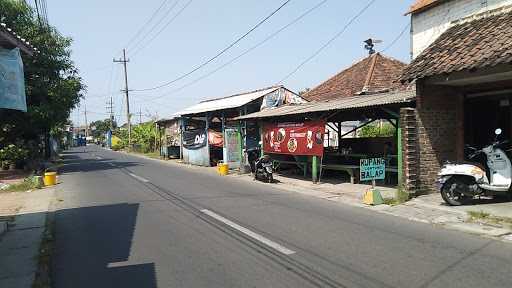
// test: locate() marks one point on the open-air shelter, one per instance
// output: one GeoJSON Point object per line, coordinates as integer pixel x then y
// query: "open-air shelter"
{"type": "Point", "coordinates": [365, 109]}
{"type": "Point", "coordinates": [209, 133]}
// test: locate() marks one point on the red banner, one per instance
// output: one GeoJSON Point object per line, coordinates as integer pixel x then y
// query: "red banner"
{"type": "Point", "coordinates": [294, 138]}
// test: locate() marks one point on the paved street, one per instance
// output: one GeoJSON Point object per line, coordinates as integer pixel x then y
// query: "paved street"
{"type": "Point", "coordinates": [125, 221]}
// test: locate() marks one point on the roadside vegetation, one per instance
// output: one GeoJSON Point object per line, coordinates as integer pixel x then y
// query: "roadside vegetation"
{"type": "Point", "coordinates": [488, 219]}
{"type": "Point", "coordinates": [43, 275]}
{"type": "Point", "coordinates": [29, 183]}
{"type": "Point", "coordinates": [401, 196]}
{"type": "Point", "coordinates": [376, 130]}
{"type": "Point", "coordinates": [53, 89]}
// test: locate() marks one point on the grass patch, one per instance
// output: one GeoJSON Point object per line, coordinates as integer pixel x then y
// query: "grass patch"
{"type": "Point", "coordinates": [29, 183]}
{"type": "Point", "coordinates": [478, 214]}
{"type": "Point", "coordinates": [43, 274]}
{"type": "Point", "coordinates": [401, 196]}
{"type": "Point", "coordinates": [487, 218]}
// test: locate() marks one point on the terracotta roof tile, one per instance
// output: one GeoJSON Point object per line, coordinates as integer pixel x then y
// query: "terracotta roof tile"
{"type": "Point", "coordinates": [372, 74]}
{"type": "Point", "coordinates": [469, 44]}
{"type": "Point", "coordinates": [421, 5]}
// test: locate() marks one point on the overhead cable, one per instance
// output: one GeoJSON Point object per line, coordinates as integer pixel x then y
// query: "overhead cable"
{"type": "Point", "coordinates": [145, 44]}
{"type": "Point", "coordinates": [150, 19]}
{"type": "Point", "coordinates": [141, 41]}
{"type": "Point", "coordinates": [218, 54]}
{"type": "Point", "coordinates": [326, 44]}
{"type": "Point", "coordinates": [318, 5]}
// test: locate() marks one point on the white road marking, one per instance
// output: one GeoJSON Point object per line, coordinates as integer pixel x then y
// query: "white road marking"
{"type": "Point", "coordinates": [249, 233]}
{"type": "Point", "coordinates": [139, 178]}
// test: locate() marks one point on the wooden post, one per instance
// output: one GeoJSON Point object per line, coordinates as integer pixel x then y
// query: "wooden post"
{"type": "Point", "coordinates": [399, 151]}
{"type": "Point", "coordinates": [207, 125]}
{"type": "Point", "coordinates": [314, 169]}
{"type": "Point", "coordinates": [339, 137]}
{"type": "Point", "coordinates": [261, 138]}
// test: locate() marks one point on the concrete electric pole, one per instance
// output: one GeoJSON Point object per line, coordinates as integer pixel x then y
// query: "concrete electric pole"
{"type": "Point", "coordinates": [124, 61]}
{"type": "Point", "coordinates": [110, 111]}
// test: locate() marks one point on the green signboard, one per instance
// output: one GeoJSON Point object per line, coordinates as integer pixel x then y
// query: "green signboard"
{"type": "Point", "coordinates": [372, 169]}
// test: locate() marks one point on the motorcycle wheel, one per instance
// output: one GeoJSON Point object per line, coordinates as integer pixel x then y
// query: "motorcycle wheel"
{"type": "Point", "coordinates": [270, 178]}
{"type": "Point", "coordinates": [452, 191]}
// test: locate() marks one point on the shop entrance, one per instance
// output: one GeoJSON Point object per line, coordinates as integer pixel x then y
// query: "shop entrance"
{"type": "Point", "coordinates": [483, 115]}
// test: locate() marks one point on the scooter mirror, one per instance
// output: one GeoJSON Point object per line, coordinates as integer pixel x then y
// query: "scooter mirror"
{"type": "Point", "coordinates": [497, 131]}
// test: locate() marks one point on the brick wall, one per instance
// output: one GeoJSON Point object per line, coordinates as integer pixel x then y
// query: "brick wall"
{"type": "Point", "coordinates": [438, 123]}
{"type": "Point", "coordinates": [427, 25]}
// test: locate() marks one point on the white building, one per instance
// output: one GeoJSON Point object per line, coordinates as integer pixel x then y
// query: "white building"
{"type": "Point", "coordinates": [431, 18]}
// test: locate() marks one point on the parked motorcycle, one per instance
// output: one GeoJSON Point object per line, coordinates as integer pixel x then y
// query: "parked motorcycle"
{"type": "Point", "coordinates": [264, 169]}
{"type": "Point", "coordinates": [459, 183]}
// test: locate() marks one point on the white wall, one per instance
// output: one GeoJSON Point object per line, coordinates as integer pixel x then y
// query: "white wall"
{"type": "Point", "coordinates": [426, 26]}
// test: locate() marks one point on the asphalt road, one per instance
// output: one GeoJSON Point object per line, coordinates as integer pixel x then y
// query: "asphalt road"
{"type": "Point", "coordinates": [125, 221]}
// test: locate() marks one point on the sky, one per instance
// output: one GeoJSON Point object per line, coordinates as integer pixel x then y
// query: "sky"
{"type": "Point", "coordinates": [180, 42]}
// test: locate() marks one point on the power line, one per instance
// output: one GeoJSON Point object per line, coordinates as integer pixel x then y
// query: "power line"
{"type": "Point", "coordinates": [141, 40]}
{"type": "Point", "coordinates": [330, 41]}
{"type": "Point", "coordinates": [396, 38]}
{"type": "Point", "coordinates": [310, 10]}
{"type": "Point", "coordinates": [218, 54]}
{"type": "Point", "coordinates": [146, 23]}
{"type": "Point", "coordinates": [145, 44]}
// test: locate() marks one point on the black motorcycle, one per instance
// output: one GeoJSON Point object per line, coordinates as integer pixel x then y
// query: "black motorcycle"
{"type": "Point", "coordinates": [263, 169]}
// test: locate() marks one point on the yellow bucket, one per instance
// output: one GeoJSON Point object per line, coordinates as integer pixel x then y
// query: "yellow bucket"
{"type": "Point", "coordinates": [50, 178]}
{"type": "Point", "coordinates": [223, 169]}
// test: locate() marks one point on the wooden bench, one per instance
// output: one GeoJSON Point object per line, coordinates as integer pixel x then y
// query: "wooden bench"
{"type": "Point", "coordinates": [352, 170]}
{"type": "Point", "coordinates": [301, 165]}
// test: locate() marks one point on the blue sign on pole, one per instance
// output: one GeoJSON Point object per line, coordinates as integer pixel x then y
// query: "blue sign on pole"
{"type": "Point", "coordinates": [372, 169]}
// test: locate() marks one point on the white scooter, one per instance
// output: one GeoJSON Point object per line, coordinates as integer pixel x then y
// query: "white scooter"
{"type": "Point", "coordinates": [459, 183]}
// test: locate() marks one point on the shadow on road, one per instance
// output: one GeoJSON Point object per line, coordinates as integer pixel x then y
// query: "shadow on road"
{"type": "Point", "coordinates": [73, 163]}
{"type": "Point", "coordinates": [93, 247]}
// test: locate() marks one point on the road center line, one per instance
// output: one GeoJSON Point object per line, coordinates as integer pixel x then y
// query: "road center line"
{"type": "Point", "coordinates": [139, 178]}
{"type": "Point", "coordinates": [249, 233]}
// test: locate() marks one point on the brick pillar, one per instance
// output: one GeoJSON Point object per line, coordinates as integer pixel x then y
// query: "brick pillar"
{"type": "Point", "coordinates": [410, 149]}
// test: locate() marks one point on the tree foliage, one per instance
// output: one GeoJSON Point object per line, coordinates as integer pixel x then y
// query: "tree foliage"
{"type": "Point", "coordinates": [100, 127]}
{"type": "Point", "coordinates": [375, 130]}
{"type": "Point", "coordinates": [53, 86]}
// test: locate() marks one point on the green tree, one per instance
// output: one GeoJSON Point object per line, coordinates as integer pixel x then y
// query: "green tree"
{"type": "Point", "coordinates": [53, 86]}
{"type": "Point", "coordinates": [143, 135]}
{"type": "Point", "coordinates": [100, 127]}
{"type": "Point", "coordinates": [374, 130]}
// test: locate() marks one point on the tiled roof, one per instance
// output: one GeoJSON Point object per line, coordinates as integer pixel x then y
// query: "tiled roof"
{"type": "Point", "coordinates": [354, 102]}
{"type": "Point", "coordinates": [375, 73]}
{"type": "Point", "coordinates": [482, 42]}
{"type": "Point", "coordinates": [421, 5]}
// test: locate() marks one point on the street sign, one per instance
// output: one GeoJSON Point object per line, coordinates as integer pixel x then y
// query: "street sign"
{"type": "Point", "coordinates": [372, 169]}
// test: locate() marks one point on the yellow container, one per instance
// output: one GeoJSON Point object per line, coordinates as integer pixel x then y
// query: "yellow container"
{"type": "Point", "coordinates": [223, 169]}
{"type": "Point", "coordinates": [50, 178]}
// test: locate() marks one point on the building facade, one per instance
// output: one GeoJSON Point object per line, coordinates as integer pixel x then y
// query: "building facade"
{"type": "Point", "coordinates": [463, 84]}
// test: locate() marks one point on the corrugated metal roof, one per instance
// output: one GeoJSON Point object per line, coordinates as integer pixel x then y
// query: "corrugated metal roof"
{"type": "Point", "coordinates": [360, 101]}
{"type": "Point", "coordinates": [228, 102]}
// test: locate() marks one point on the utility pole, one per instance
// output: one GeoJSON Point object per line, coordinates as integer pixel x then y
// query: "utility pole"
{"type": "Point", "coordinates": [124, 61]}
{"type": "Point", "coordinates": [85, 116]}
{"type": "Point", "coordinates": [110, 111]}
{"type": "Point", "coordinates": [140, 116]}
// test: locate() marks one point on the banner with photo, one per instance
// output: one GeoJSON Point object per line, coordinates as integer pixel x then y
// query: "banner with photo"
{"type": "Point", "coordinates": [303, 138]}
